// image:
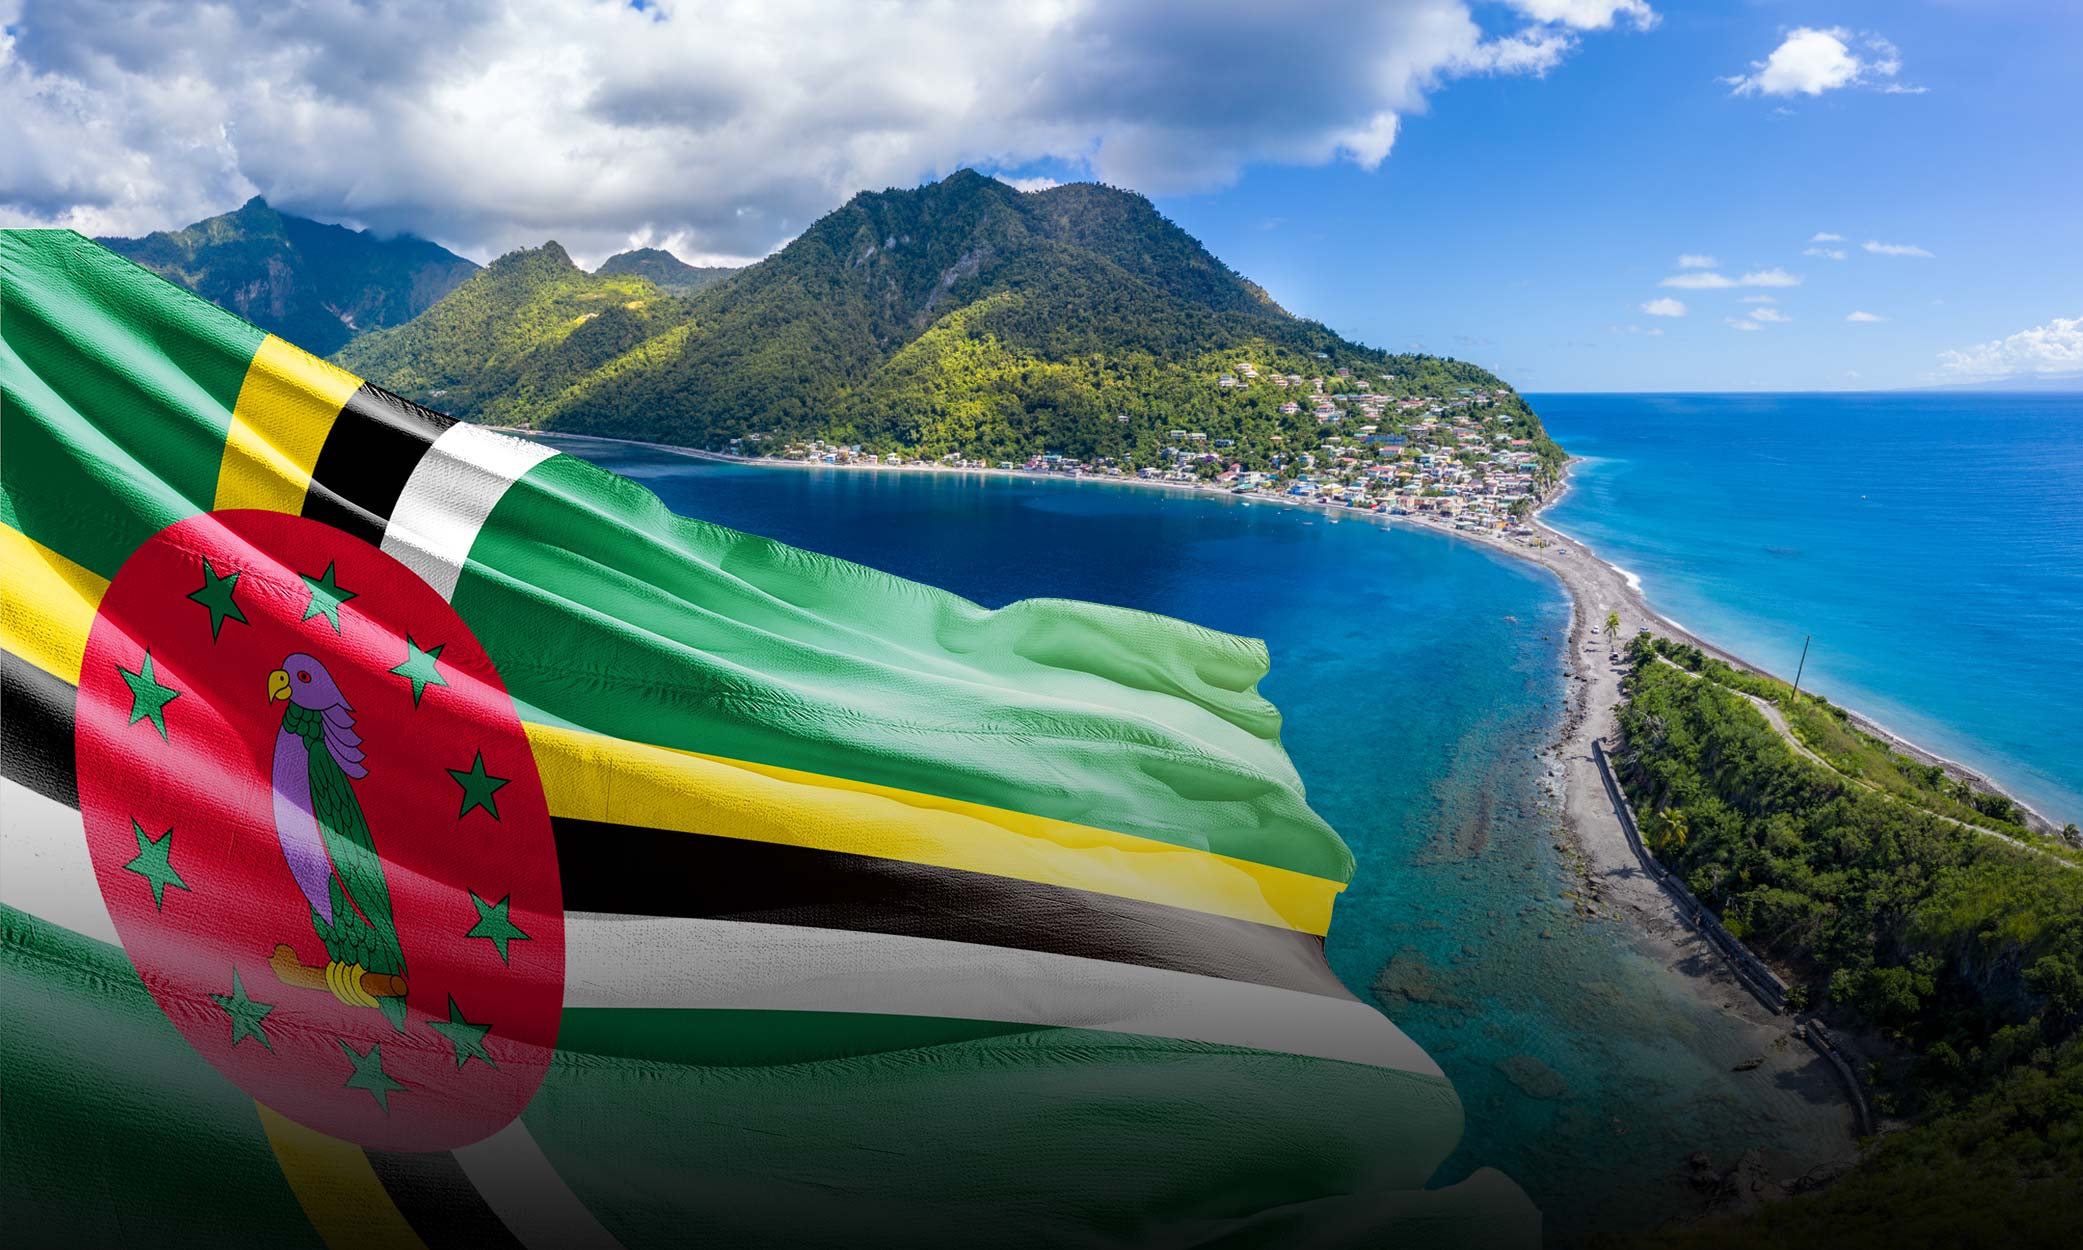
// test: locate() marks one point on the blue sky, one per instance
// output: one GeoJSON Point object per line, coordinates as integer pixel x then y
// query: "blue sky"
{"type": "Point", "coordinates": [1511, 181]}
{"type": "Point", "coordinates": [1524, 222]}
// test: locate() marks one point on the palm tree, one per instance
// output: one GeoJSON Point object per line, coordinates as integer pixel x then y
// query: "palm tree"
{"type": "Point", "coordinates": [1612, 628]}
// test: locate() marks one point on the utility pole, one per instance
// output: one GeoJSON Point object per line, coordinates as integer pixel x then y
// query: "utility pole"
{"type": "Point", "coordinates": [1804, 664]}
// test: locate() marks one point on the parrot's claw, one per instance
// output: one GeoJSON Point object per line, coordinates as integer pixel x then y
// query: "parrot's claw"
{"type": "Point", "coordinates": [345, 981]}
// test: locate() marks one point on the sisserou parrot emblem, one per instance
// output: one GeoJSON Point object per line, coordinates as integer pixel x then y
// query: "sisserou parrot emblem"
{"type": "Point", "coordinates": [325, 841]}
{"type": "Point", "coordinates": [318, 827]}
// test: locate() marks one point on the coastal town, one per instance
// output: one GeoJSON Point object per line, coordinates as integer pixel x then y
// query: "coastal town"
{"type": "Point", "coordinates": [1457, 459]}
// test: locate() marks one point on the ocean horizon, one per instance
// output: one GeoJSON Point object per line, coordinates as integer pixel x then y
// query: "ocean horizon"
{"type": "Point", "coordinates": [1929, 543]}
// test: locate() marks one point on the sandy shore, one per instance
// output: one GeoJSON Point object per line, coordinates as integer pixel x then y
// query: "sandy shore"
{"type": "Point", "coordinates": [1612, 877]}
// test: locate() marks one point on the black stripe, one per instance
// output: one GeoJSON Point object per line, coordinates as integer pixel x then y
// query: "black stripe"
{"type": "Point", "coordinates": [371, 450]}
{"type": "Point", "coordinates": [652, 872]}
{"type": "Point", "coordinates": [36, 730]}
{"type": "Point", "coordinates": [437, 1199]}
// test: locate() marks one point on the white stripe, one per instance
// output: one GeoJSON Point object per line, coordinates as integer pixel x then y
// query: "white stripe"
{"type": "Point", "coordinates": [648, 961]}
{"type": "Point", "coordinates": [530, 1198]}
{"type": "Point", "coordinates": [45, 868]}
{"type": "Point", "coordinates": [450, 494]}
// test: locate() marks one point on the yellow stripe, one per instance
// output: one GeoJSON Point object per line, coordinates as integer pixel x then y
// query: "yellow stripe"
{"type": "Point", "coordinates": [47, 605]}
{"type": "Point", "coordinates": [592, 777]}
{"type": "Point", "coordinates": [286, 407]}
{"type": "Point", "coordinates": [339, 1191]}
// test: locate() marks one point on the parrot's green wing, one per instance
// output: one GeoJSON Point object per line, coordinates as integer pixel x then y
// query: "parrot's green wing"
{"type": "Point", "coordinates": [372, 943]}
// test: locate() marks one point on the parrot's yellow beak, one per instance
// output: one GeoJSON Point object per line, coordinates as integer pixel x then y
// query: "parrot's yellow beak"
{"type": "Point", "coordinates": [278, 685]}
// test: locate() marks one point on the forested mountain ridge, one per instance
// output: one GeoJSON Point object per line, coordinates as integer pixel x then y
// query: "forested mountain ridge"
{"type": "Point", "coordinates": [520, 332]}
{"type": "Point", "coordinates": [664, 270]}
{"type": "Point", "coordinates": [314, 284]}
{"type": "Point", "coordinates": [959, 317]}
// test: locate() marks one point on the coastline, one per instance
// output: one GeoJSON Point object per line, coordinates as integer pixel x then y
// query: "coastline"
{"type": "Point", "coordinates": [1586, 576]}
{"type": "Point", "coordinates": [1612, 877]}
{"type": "Point", "coordinates": [1611, 883]}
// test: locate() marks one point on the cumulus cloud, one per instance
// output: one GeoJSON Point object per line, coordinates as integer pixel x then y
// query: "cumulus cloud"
{"type": "Point", "coordinates": [2054, 348]}
{"type": "Point", "coordinates": [1589, 14]}
{"type": "Point", "coordinates": [1894, 249]}
{"type": "Point", "coordinates": [1664, 306]}
{"type": "Point", "coordinates": [1770, 315]}
{"type": "Point", "coordinates": [1860, 314]}
{"type": "Point", "coordinates": [1824, 236]}
{"type": "Point", "coordinates": [1693, 260]}
{"type": "Point", "coordinates": [1827, 253]}
{"type": "Point", "coordinates": [1707, 280]}
{"type": "Point", "coordinates": [1810, 61]}
{"type": "Point", "coordinates": [719, 132]}
{"type": "Point", "coordinates": [1738, 323]}
{"type": "Point", "coordinates": [1757, 299]}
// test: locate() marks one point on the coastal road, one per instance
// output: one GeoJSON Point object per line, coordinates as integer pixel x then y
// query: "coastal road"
{"type": "Point", "coordinates": [1777, 720]}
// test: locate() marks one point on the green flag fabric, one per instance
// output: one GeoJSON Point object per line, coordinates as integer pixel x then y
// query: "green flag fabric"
{"type": "Point", "coordinates": [418, 837]}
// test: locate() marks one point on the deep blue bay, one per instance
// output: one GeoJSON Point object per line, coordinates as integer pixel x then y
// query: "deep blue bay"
{"type": "Point", "coordinates": [1419, 677]}
{"type": "Point", "coordinates": [1931, 543]}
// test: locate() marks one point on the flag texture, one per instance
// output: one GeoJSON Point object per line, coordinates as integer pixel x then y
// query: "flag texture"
{"type": "Point", "coordinates": [415, 836]}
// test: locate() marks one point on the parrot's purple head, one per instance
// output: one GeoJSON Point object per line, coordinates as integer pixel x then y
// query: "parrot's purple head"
{"type": "Point", "coordinates": [304, 682]}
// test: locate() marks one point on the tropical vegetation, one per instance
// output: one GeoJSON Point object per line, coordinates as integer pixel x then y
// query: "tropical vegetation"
{"type": "Point", "coordinates": [963, 317]}
{"type": "Point", "coordinates": [1909, 909]}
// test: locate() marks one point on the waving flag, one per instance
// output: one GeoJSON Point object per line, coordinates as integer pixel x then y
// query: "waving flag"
{"type": "Point", "coordinates": [414, 836]}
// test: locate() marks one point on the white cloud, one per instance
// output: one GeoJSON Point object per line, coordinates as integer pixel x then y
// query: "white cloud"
{"type": "Point", "coordinates": [1757, 299]}
{"type": "Point", "coordinates": [719, 132]}
{"type": "Point", "coordinates": [1810, 61]}
{"type": "Point", "coordinates": [1589, 14]}
{"type": "Point", "coordinates": [2054, 348]}
{"type": "Point", "coordinates": [1770, 315]}
{"type": "Point", "coordinates": [1693, 260]}
{"type": "Point", "coordinates": [1860, 314]}
{"type": "Point", "coordinates": [1037, 183]}
{"type": "Point", "coordinates": [1699, 281]}
{"type": "Point", "coordinates": [1894, 249]}
{"type": "Point", "coordinates": [1827, 253]}
{"type": "Point", "coordinates": [1738, 323]}
{"type": "Point", "coordinates": [1824, 236]}
{"type": "Point", "coordinates": [1769, 277]}
{"type": "Point", "coordinates": [1664, 306]}
{"type": "Point", "coordinates": [1707, 280]}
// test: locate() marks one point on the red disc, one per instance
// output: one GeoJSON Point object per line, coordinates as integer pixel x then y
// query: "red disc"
{"type": "Point", "coordinates": [317, 823]}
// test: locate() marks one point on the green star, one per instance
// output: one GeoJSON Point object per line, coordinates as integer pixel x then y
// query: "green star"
{"type": "Point", "coordinates": [478, 787]}
{"type": "Point", "coordinates": [326, 597]}
{"type": "Point", "coordinates": [369, 1073]}
{"type": "Point", "coordinates": [419, 669]}
{"type": "Point", "coordinates": [245, 1014]}
{"type": "Point", "coordinates": [155, 863]}
{"type": "Point", "coordinates": [216, 595]}
{"type": "Point", "coordinates": [467, 1038]}
{"type": "Point", "coordinates": [493, 924]}
{"type": "Point", "coordinates": [148, 699]}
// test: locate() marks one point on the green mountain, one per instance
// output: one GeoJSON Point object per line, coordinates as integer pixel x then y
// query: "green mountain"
{"type": "Point", "coordinates": [963, 316]}
{"type": "Point", "coordinates": [520, 333]}
{"type": "Point", "coordinates": [316, 285]}
{"type": "Point", "coordinates": [664, 270]}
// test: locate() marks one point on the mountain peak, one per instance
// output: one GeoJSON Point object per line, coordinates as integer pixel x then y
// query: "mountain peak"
{"type": "Point", "coordinates": [665, 270]}
{"type": "Point", "coordinates": [312, 283]}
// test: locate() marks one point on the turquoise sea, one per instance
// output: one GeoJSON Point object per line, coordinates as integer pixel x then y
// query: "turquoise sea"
{"type": "Point", "coordinates": [1932, 544]}
{"type": "Point", "coordinates": [1419, 677]}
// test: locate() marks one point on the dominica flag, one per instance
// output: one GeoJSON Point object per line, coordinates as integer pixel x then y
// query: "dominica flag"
{"type": "Point", "coordinates": [417, 837]}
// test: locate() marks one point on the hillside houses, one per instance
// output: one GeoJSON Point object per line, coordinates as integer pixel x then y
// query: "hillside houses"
{"type": "Point", "coordinates": [1461, 458]}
